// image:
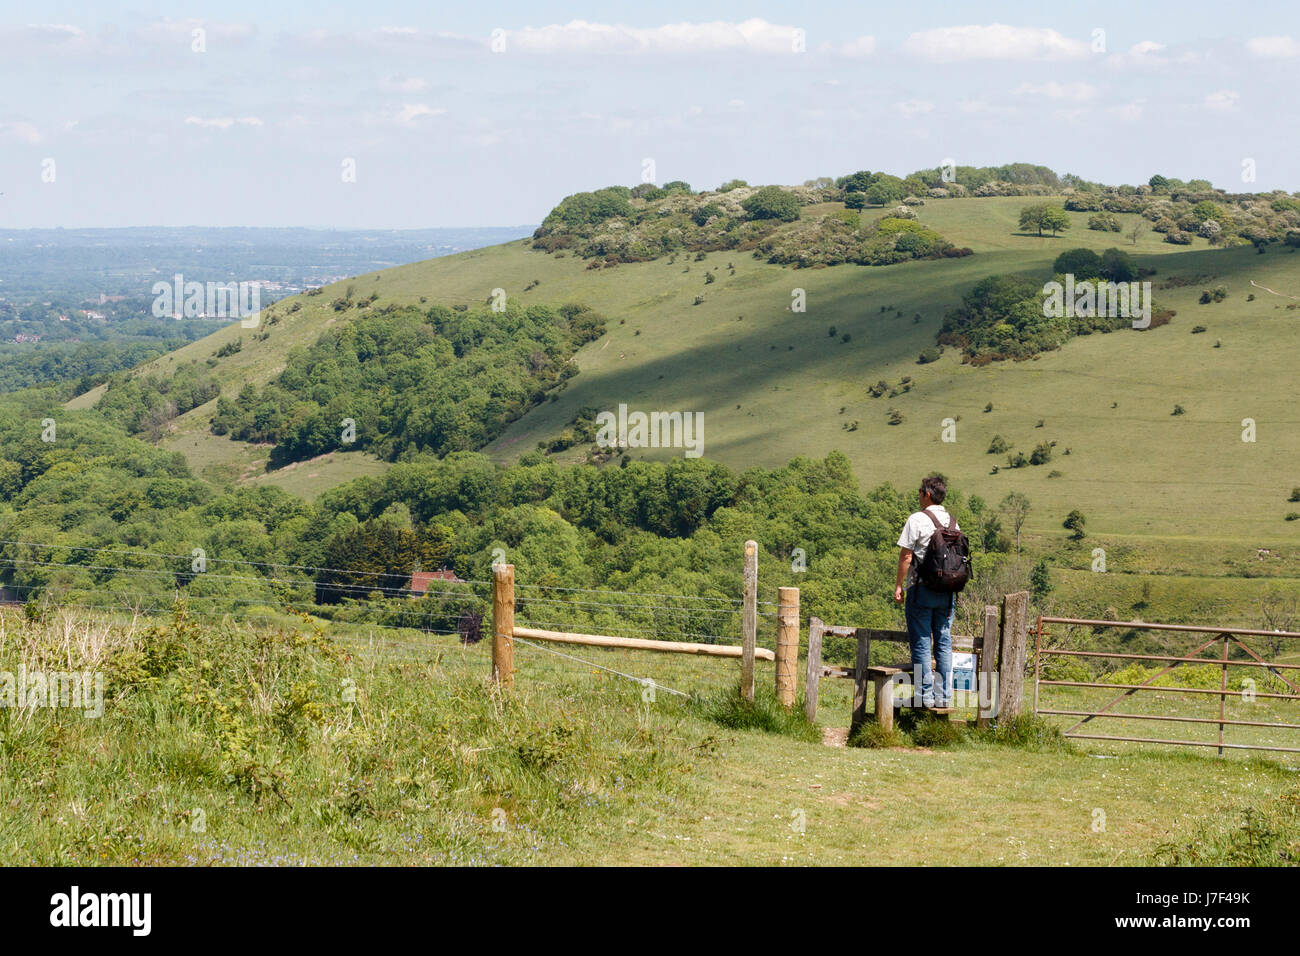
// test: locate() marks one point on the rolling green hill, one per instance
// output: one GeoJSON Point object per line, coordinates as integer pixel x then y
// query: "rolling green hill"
{"type": "Point", "coordinates": [773, 383]}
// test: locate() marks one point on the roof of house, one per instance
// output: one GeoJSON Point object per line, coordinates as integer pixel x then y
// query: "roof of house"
{"type": "Point", "coordinates": [420, 579]}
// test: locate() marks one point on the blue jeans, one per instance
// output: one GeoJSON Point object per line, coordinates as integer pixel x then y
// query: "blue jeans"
{"type": "Point", "coordinates": [929, 616]}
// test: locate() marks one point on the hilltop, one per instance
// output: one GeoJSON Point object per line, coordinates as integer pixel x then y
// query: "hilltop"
{"type": "Point", "coordinates": [718, 332]}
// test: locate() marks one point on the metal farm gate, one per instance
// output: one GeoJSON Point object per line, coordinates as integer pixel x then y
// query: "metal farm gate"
{"type": "Point", "coordinates": [1262, 698]}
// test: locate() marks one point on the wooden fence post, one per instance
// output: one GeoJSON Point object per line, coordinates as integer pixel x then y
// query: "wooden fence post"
{"type": "Point", "coordinates": [749, 620]}
{"type": "Point", "coordinates": [503, 624]}
{"type": "Point", "coordinates": [861, 681]}
{"type": "Point", "coordinates": [1015, 647]}
{"type": "Point", "coordinates": [988, 664]}
{"type": "Point", "coordinates": [813, 680]}
{"type": "Point", "coordinates": [787, 645]}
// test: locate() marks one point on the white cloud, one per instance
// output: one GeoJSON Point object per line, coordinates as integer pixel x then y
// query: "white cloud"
{"type": "Point", "coordinates": [580, 36]}
{"type": "Point", "coordinates": [403, 84]}
{"type": "Point", "coordinates": [180, 33]}
{"type": "Point", "coordinates": [912, 108]}
{"type": "Point", "coordinates": [21, 131]}
{"type": "Point", "coordinates": [994, 42]}
{"type": "Point", "coordinates": [46, 38]}
{"type": "Point", "coordinates": [1078, 92]}
{"type": "Point", "coordinates": [410, 112]}
{"type": "Point", "coordinates": [1273, 46]}
{"type": "Point", "coordinates": [408, 115]}
{"type": "Point", "coordinates": [222, 122]}
{"type": "Point", "coordinates": [1129, 112]}
{"type": "Point", "coordinates": [1222, 100]}
{"type": "Point", "coordinates": [1145, 48]}
{"type": "Point", "coordinates": [385, 40]}
{"type": "Point", "coordinates": [862, 46]}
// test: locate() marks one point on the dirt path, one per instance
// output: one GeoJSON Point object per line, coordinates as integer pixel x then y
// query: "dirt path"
{"type": "Point", "coordinates": [835, 736]}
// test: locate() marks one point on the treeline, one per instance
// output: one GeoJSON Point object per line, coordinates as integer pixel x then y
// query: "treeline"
{"type": "Point", "coordinates": [406, 381]}
{"type": "Point", "coordinates": [107, 520]}
{"type": "Point", "coordinates": [616, 225]}
{"type": "Point", "coordinates": [81, 364]}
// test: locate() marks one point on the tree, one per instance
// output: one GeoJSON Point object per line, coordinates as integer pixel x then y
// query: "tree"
{"type": "Point", "coordinates": [1016, 507]}
{"type": "Point", "coordinates": [1081, 263]}
{"type": "Point", "coordinates": [1278, 611]}
{"type": "Point", "coordinates": [1104, 222]}
{"type": "Point", "coordinates": [772, 202]}
{"type": "Point", "coordinates": [1042, 216]}
{"type": "Point", "coordinates": [1040, 580]}
{"type": "Point", "coordinates": [1137, 231]}
{"type": "Point", "coordinates": [706, 212]}
{"type": "Point", "coordinates": [883, 193]}
{"type": "Point", "coordinates": [1074, 521]}
{"type": "Point", "coordinates": [855, 200]}
{"type": "Point", "coordinates": [1117, 266]}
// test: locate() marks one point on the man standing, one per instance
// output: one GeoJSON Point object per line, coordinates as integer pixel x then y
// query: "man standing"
{"type": "Point", "coordinates": [929, 612]}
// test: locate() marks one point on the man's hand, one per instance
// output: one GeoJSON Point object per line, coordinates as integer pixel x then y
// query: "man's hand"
{"type": "Point", "coordinates": [898, 593]}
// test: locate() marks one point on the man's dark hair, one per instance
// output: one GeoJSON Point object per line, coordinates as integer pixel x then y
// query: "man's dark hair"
{"type": "Point", "coordinates": [935, 487]}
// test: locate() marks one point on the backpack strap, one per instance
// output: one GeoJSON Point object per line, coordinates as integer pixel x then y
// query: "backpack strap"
{"type": "Point", "coordinates": [938, 525]}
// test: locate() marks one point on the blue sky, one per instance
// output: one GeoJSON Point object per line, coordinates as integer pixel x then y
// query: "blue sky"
{"type": "Point", "coordinates": [445, 127]}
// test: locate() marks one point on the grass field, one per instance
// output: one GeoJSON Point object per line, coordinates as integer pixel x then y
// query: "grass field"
{"type": "Point", "coordinates": [224, 745]}
{"type": "Point", "coordinates": [772, 383]}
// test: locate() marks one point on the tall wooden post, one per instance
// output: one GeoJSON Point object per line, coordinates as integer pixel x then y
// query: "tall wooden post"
{"type": "Point", "coordinates": [787, 645]}
{"type": "Point", "coordinates": [1015, 647]}
{"type": "Point", "coordinates": [503, 624]}
{"type": "Point", "coordinates": [861, 681]}
{"type": "Point", "coordinates": [813, 679]}
{"type": "Point", "coordinates": [749, 621]}
{"type": "Point", "coordinates": [985, 680]}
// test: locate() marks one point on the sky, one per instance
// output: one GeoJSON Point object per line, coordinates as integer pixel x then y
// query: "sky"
{"type": "Point", "coordinates": [412, 115]}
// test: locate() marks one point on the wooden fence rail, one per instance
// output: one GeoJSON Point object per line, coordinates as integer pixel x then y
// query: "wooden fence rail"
{"type": "Point", "coordinates": [1001, 649]}
{"type": "Point", "coordinates": [786, 655]}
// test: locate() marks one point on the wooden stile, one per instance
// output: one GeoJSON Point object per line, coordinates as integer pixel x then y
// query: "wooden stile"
{"type": "Point", "coordinates": [862, 680]}
{"type": "Point", "coordinates": [1015, 647]}
{"type": "Point", "coordinates": [812, 681]}
{"type": "Point", "coordinates": [988, 660]}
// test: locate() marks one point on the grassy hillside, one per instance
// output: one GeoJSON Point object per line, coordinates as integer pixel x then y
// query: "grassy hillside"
{"type": "Point", "coordinates": [772, 383]}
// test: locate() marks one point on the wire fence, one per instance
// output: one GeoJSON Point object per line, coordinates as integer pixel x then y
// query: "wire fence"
{"type": "Point", "coordinates": [137, 583]}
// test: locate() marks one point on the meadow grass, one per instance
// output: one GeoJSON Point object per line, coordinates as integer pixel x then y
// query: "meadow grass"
{"type": "Point", "coordinates": [225, 744]}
